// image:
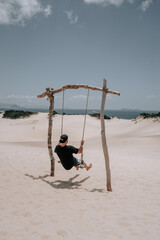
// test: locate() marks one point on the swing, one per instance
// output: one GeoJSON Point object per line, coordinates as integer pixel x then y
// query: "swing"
{"type": "Point", "coordinates": [50, 92]}
{"type": "Point", "coordinates": [84, 124]}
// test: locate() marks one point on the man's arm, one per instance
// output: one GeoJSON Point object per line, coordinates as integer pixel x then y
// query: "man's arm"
{"type": "Point", "coordinates": [80, 150]}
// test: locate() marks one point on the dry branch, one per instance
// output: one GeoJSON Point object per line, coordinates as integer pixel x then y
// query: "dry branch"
{"type": "Point", "coordinates": [48, 91]}
{"type": "Point", "coordinates": [42, 95]}
{"type": "Point", "coordinates": [104, 142]}
{"type": "Point", "coordinates": [52, 159]}
{"type": "Point", "coordinates": [82, 86]}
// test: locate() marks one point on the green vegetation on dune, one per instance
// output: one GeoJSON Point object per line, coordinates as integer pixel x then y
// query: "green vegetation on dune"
{"type": "Point", "coordinates": [15, 114]}
{"type": "Point", "coordinates": [147, 115]}
{"type": "Point", "coordinates": [97, 115]}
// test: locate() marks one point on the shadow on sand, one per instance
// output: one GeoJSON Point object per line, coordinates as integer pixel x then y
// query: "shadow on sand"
{"type": "Point", "coordinates": [59, 184]}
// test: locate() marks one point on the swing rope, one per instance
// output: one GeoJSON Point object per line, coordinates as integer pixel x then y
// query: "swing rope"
{"type": "Point", "coordinates": [85, 115]}
{"type": "Point", "coordinates": [62, 113]}
{"type": "Point", "coordinates": [84, 125]}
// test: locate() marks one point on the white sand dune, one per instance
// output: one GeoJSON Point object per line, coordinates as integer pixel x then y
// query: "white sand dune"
{"type": "Point", "coordinates": [75, 204]}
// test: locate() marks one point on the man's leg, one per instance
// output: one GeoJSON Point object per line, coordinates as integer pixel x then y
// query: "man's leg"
{"type": "Point", "coordinates": [77, 168]}
{"type": "Point", "coordinates": [87, 167]}
{"type": "Point", "coordinates": [81, 163]}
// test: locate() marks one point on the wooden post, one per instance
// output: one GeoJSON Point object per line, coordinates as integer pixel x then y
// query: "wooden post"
{"type": "Point", "coordinates": [51, 108]}
{"type": "Point", "coordinates": [103, 137]}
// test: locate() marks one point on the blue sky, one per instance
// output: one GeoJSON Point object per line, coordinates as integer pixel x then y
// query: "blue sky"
{"type": "Point", "coordinates": [51, 43]}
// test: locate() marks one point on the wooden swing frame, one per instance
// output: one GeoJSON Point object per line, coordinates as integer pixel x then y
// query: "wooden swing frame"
{"type": "Point", "coordinates": [50, 94]}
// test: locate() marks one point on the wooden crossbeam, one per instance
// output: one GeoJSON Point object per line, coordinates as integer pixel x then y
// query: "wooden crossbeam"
{"type": "Point", "coordinates": [49, 92]}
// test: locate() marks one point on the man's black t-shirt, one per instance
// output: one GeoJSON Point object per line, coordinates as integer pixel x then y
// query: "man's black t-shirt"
{"type": "Point", "coordinates": [65, 155]}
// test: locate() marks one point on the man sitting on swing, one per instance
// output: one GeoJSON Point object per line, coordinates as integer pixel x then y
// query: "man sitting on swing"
{"type": "Point", "coordinates": [65, 154]}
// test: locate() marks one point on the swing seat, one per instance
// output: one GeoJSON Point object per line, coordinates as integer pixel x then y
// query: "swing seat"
{"type": "Point", "coordinates": [81, 166]}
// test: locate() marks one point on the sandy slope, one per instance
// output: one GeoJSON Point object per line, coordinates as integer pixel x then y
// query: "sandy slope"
{"type": "Point", "coordinates": [75, 204]}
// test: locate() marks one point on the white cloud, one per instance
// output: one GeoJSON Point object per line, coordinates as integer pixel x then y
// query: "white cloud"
{"type": "Point", "coordinates": [105, 2]}
{"type": "Point", "coordinates": [17, 12]}
{"type": "Point", "coordinates": [20, 100]}
{"type": "Point", "coordinates": [78, 97]}
{"type": "Point", "coordinates": [152, 96]}
{"type": "Point", "coordinates": [48, 10]}
{"type": "Point", "coordinates": [145, 5]}
{"type": "Point", "coordinates": [72, 17]}
{"type": "Point", "coordinates": [131, 1]}
{"type": "Point", "coordinates": [18, 97]}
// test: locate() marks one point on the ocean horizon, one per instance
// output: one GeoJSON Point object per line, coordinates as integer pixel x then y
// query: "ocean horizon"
{"type": "Point", "coordinates": [123, 113]}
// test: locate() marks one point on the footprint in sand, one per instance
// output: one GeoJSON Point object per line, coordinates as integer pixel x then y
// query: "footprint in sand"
{"type": "Point", "coordinates": [61, 233]}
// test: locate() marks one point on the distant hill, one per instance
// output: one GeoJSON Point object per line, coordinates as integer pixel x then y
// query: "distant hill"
{"type": "Point", "coordinates": [128, 109]}
{"type": "Point", "coordinates": [6, 106]}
